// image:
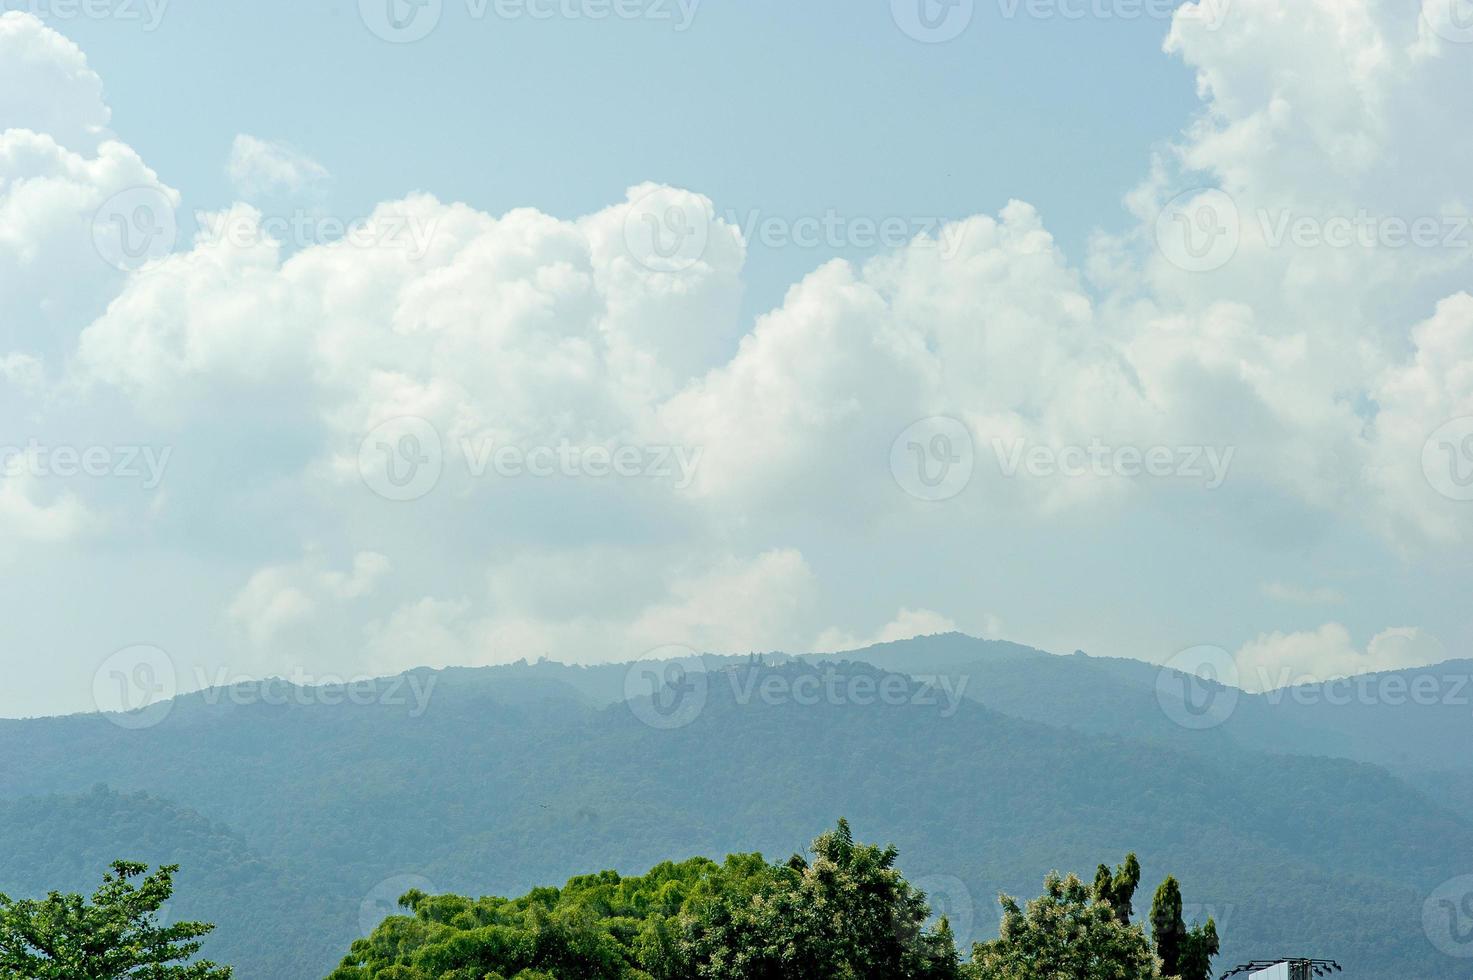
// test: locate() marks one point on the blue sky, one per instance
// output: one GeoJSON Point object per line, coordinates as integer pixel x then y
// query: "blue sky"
{"type": "Point", "coordinates": [821, 105]}
{"type": "Point", "coordinates": [1038, 330]}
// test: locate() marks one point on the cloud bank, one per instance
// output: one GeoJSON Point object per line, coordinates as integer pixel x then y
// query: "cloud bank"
{"type": "Point", "coordinates": [1265, 299]}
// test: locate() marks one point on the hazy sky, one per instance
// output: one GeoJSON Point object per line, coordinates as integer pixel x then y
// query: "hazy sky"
{"type": "Point", "coordinates": [737, 325]}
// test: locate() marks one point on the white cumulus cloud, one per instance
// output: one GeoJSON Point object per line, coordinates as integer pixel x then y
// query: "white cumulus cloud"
{"type": "Point", "coordinates": [1278, 660]}
{"type": "Point", "coordinates": [1323, 368]}
{"type": "Point", "coordinates": [263, 168]}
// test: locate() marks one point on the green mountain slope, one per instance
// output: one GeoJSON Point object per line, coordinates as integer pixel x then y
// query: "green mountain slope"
{"type": "Point", "coordinates": [1417, 722]}
{"type": "Point", "coordinates": [480, 796]}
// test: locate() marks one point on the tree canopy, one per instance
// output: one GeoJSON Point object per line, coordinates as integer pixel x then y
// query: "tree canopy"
{"type": "Point", "coordinates": [114, 935]}
{"type": "Point", "coordinates": [1067, 934]}
{"type": "Point", "coordinates": [843, 913]}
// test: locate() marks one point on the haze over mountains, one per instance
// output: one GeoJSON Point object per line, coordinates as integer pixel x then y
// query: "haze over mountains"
{"type": "Point", "coordinates": [1303, 825]}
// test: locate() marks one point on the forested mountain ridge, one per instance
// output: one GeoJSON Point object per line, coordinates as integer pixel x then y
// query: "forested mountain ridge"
{"type": "Point", "coordinates": [501, 785]}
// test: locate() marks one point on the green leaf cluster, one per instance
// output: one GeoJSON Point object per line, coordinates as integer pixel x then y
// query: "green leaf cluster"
{"type": "Point", "coordinates": [844, 912]}
{"type": "Point", "coordinates": [115, 934]}
{"type": "Point", "coordinates": [847, 913]}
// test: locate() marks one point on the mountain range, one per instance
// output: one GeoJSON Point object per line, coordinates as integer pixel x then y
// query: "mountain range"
{"type": "Point", "coordinates": [1303, 824]}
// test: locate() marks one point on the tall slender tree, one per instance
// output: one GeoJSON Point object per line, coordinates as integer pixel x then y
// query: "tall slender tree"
{"type": "Point", "coordinates": [1167, 926]}
{"type": "Point", "coordinates": [1185, 952]}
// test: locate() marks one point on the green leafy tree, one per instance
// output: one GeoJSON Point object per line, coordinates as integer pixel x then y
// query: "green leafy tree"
{"type": "Point", "coordinates": [844, 912]}
{"type": "Point", "coordinates": [1119, 888]}
{"type": "Point", "coordinates": [1067, 934]}
{"type": "Point", "coordinates": [1199, 946]}
{"type": "Point", "coordinates": [1167, 926]}
{"type": "Point", "coordinates": [848, 913]}
{"type": "Point", "coordinates": [1185, 952]}
{"type": "Point", "coordinates": [114, 935]}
